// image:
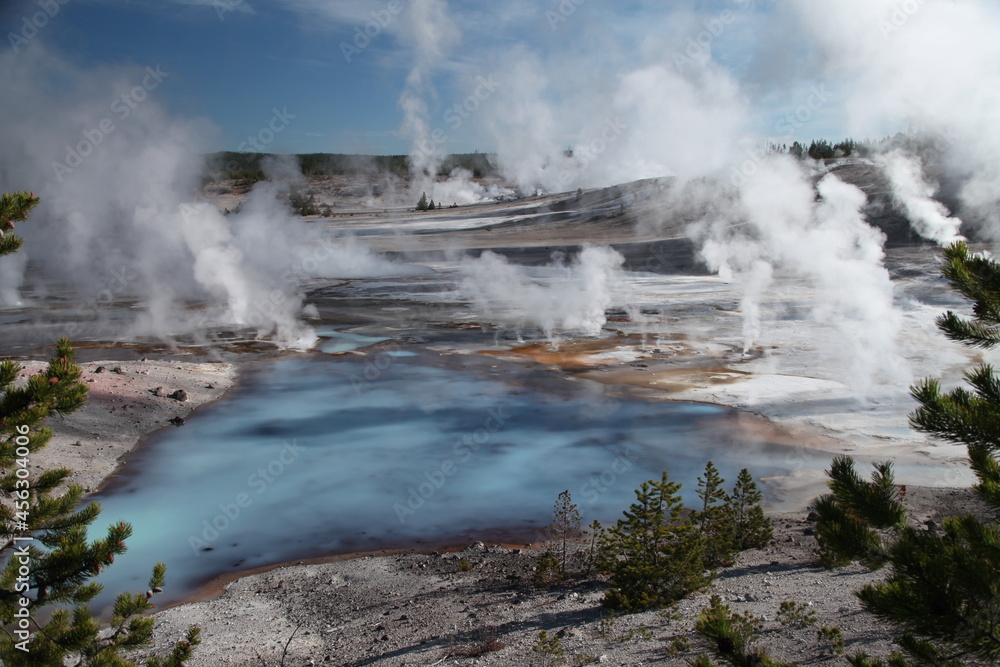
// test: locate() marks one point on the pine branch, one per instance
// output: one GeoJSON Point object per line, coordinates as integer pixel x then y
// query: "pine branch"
{"type": "Point", "coordinates": [971, 332]}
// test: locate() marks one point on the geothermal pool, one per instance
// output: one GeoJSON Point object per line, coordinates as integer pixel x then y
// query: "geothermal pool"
{"type": "Point", "coordinates": [315, 455]}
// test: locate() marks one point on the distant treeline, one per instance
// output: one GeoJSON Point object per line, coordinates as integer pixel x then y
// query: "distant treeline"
{"type": "Point", "coordinates": [247, 166]}
{"type": "Point", "coordinates": [821, 149]}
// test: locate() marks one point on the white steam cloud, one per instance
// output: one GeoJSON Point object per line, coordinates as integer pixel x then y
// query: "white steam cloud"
{"type": "Point", "coordinates": [560, 299]}
{"type": "Point", "coordinates": [430, 33]}
{"type": "Point", "coordinates": [120, 220]}
{"type": "Point", "coordinates": [777, 226]}
{"type": "Point", "coordinates": [933, 67]}
{"type": "Point", "coordinates": [914, 194]}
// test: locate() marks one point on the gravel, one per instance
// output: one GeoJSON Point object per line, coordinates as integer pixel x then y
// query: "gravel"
{"type": "Point", "coordinates": [432, 609]}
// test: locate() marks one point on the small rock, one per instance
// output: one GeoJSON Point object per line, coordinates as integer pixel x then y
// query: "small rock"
{"type": "Point", "coordinates": [808, 531]}
{"type": "Point", "coordinates": [179, 395]}
{"type": "Point", "coordinates": [119, 370]}
{"type": "Point", "coordinates": [931, 524]}
{"type": "Point", "coordinates": [812, 516]}
{"type": "Point", "coordinates": [159, 391]}
{"type": "Point", "coordinates": [177, 421]}
{"type": "Point", "coordinates": [144, 359]}
{"type": "Point", "coordinates": [476, 545]}
{"type": "Point", "coordinates": [100, 369]}
{"type": "Point", "coordinates": [78, 443]}
{"type": "Point", "coordinates": [566, 632]}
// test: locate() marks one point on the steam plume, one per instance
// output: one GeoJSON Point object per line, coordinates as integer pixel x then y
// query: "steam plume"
{"type": "Point", "coordinates": [119, 217]}
{"type": "Point", "coordinates": [561, 298]}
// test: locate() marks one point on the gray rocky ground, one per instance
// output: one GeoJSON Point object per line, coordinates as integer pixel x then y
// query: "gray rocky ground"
{"type": "Point", "coordinates": [478, 606]}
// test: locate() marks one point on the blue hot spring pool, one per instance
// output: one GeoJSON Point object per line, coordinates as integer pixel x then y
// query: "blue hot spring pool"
{"type": "Point", "coordinates": [318, 455]}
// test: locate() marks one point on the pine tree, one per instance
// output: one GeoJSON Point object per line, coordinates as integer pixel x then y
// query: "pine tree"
{"type": "Point", "coordinates": [654, 554]}
{"type": "Point", "coordinates": [14, 207]}
{"type": "Point", "coordinates": [596, 530]}
{"type": "Point", "coordinates": [963, 416]}
{"type": "Point", "coordinates": [849, 519]}
{"type": "Point", "coordinates": [942, 590]}
{"type": "Point", "coordinates": [731, 637]}
{"type": "Point", "coordinates": [752, 529]}
{"type": "Point", "coordinates": [715, 519]}
{"type": "Point", "coordinates": [422, 204]}
{"type": "Point", "coordinates": [565, 527]}
{"type": "Point", "coordinates": [44, 580]}
{"type": "Point", "coordinates": [430, 207]}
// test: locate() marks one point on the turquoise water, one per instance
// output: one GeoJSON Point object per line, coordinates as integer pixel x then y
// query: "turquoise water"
{"type": "Point", "coordinates": [318, 455]}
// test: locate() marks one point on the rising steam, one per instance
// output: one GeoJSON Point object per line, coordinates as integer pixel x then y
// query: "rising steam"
{"type": "Point", "coordinates": [120, 221]}
{"type": "Point", "coordinates": [778, 226]}
{"type": "Point", "coordinates": [560, 299]}
{"type": "Point", "coordinates": [911, 191]}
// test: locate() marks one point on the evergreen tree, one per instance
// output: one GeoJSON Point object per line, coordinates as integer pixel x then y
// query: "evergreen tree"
{"type": "Point", "coordinates": [845, 147]}
{"type": "Point", "coordinates": [943, 590]}
{"type": "Point", "coordinates": [715, 519]}
{"type": "Point", "coordinates": [654, 554]}
{"type": "Point", "coordinates": [731, 637]}
{"type": "Point", "coordinates": [963, 416]}
{"type": "Point", "coordinates": [596, 530]}
{"type": "Point", "coordinates": [565, 527]}
{"type": "Point", "coordinates": [850, 518]}
{"type": "Point", "coordinates": [821, 150]}
{"type": "Point", "coordinates": [430, 207]}
{"type": "Point", "coordinates": [44, 580]}
{"type": "Point", "coordinates": [751, 528]}
{"type": "Point", "coordinates": [422, 204]}
{"type": "Point", "coordinates": [14, 207]}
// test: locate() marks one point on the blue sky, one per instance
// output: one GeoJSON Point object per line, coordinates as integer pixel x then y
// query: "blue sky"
{"type": "Point", "coordinates": [234, 62]}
